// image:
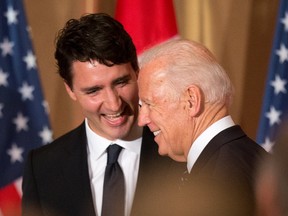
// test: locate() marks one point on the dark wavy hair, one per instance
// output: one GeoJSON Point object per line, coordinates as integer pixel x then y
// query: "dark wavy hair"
{"type": "Point", "coordinates": [93, 37]}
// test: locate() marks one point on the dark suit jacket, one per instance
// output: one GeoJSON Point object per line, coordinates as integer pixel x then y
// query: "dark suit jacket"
{"type": "Point", "coordinates": [221, 182]}
{"type": "Point", "coordinates": [56, 179]}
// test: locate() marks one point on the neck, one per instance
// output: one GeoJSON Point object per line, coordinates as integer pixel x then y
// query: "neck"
{"type": "Point", "coordinates": [211, 114]}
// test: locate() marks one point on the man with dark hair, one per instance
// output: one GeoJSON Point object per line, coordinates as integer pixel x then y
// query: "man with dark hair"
{"type": "Point", "coordinates": [97, 60]}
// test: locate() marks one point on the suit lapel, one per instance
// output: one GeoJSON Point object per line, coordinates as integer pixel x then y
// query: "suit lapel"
{"type": "Point", "coordinates": [224, 137]}
{"type": "Point", "coordinates": [75, 171]}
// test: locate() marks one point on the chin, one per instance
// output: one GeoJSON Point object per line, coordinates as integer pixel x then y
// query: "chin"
{"type": "Point", "coordinates": [122, 133]}
{"type": "Point", "coordinates": [161, 151]}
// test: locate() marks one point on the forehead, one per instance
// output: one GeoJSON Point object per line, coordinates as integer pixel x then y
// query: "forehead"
{"type": "Point", "coordinates": [151, 81]}
{"type": "Point", "coordinates": [151, 70]}
{"type": "Point", "coordinates": [95, 71]}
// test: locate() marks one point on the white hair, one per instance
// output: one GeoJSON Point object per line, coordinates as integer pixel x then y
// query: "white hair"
{"type": "Point", "coordinates": [188, 62]}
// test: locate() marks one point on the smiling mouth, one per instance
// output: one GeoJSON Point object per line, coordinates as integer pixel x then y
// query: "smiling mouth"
{"type": "Point", "coordinates": [156, 132]}
{"type": "Point", "coordinates": [113, 116]}
{"type": "Point", "coordinates": [115, 120]}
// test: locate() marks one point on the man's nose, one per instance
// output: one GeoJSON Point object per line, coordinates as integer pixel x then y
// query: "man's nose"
{"type": "Point", "coordinates": [113, 100]}
{"type": "Point", "coordinates": [143, 118]}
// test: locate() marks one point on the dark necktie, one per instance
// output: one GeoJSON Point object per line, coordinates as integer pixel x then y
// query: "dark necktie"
{"type": "Point", "coordinates": [114, 184]}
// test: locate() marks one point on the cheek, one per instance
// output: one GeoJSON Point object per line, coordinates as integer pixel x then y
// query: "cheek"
{"type": "Point", "coordinates": [170, 132]}
{"type": "Point", "coordinates": [89, 104]}
{"type": "Point", "coordinates": [173, 125]}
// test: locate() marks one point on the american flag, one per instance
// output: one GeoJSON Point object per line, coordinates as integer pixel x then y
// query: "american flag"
{"type": "Point", "coordinates": [275, 104]}
{"type": "Point", "coordinates": [24, 122]}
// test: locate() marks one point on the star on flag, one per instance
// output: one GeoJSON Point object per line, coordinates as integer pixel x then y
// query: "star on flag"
{"type": "Point", "coordinates": [26, 91]}
{"type": "Point", "coordinates": [279, 85]}
{"type": "Point", "coordinates": [23, 110]}
{"type": "Point", "coordinates": [15, 153]}
{"type": "Point", "coordinates": [285, 21]}
{"type": "Point", "coordinates": [11, 15]}
{"type": "Point", "coordinates": [6, 47]}
{"type": "Point", "coordinates": [282, 53]}
{"type": "Point", "coordinates": [46, 135]}
{"type": "Point", "coordinates": [274, 116]}
{"type": "Point", "coordinates": [3, 78]}
{"type": "Point", "coordinates": [30, 60]}
{"type": "Point", "coordinates": [21, 122]}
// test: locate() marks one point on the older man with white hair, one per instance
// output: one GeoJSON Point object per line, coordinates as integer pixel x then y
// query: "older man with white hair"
{"type": "Point", "coordinates": [185, 96]}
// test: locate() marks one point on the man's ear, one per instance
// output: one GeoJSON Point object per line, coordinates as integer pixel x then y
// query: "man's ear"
{"type": "Point", "coordinates": [70, 92]}
{"type": "Point", "coordinates": [194, 100]}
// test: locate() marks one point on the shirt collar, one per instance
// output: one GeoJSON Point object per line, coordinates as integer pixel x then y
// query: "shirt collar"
{"type": "Point", "coordinates": [200, 143]}
{"type": "Point", "coordinates": [97, 145]}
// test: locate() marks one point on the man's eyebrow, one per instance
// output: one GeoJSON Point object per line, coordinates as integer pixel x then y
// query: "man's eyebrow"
{"type": "Point", "coordinates": [87, 89]}
{"type": "Point", "coordinates": [121, 79]}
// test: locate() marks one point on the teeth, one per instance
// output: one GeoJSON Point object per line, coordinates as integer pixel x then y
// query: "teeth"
{"type": "Point", "coordinates": [114, 115]}
{"type": "Point", "coordinates": [156, 132]}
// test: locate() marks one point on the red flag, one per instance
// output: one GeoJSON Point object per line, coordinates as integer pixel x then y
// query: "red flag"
{"type": "Point", "coordinates": [147, 23]}
{"type": "Point", "coordinates": [10, 200]}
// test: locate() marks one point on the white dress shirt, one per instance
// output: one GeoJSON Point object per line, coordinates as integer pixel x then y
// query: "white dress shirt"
{"type": "Point", "coordinates": [200, 143]}
{"type": "Point", "coordinates": [128, 159]}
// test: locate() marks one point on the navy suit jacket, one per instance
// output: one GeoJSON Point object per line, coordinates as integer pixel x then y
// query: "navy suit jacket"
{"type": "Point", "coordinates": [221, 182]}
{"type": "Point", "coordinates": [56, 179]}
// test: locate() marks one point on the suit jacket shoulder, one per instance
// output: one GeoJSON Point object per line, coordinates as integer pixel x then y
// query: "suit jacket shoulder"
{"type": "Point", "coordinates": [223, 175]}
{"type": "Point", "coordinates": [231, 149]}
{"type": "Point", "coordinates": [56, 175]}
{"type": "Point", "coordinates": [56, 178]}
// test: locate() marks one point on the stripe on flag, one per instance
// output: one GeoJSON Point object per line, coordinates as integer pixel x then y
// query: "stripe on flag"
{"type": "Point", "coordinates": [10, 200]}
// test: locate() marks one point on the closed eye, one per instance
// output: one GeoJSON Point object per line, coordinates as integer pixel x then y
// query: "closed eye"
{"type": "Point", "coordinates": [92, 90]}
{"type": "Point", "coordinates": [122, 81]}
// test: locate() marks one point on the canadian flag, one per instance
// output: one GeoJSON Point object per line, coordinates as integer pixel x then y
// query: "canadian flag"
{"type": "Point", "coordinates": [147, 22]}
